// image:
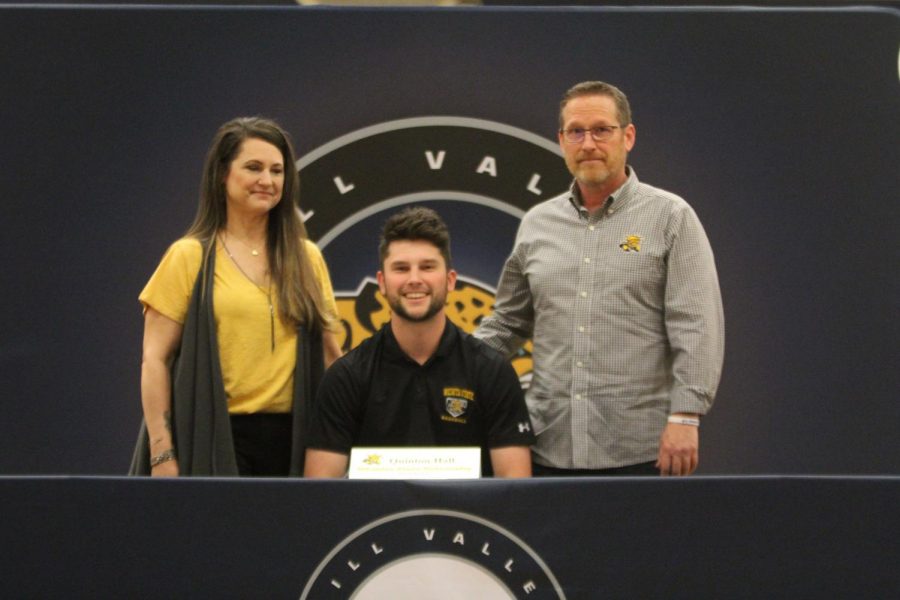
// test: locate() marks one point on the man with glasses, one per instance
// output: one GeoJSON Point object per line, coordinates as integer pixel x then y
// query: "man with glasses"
{"type": "Point", "coordinates": [616, 284]}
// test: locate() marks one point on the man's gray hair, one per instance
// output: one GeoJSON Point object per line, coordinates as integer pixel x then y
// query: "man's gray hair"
{"type": "Point", "coordinates": [598, 88]}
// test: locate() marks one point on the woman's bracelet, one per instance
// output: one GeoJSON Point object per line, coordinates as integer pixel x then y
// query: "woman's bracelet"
{"type": "Point", "coordinates": [163, 457]}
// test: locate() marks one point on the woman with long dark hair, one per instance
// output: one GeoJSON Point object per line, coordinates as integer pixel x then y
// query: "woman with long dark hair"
{"type": "Point", "coordinates": [237, 320]}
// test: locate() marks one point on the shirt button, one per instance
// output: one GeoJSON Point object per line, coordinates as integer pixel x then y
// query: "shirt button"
{"type": "Point", "coordinates": [584, 294]}
{"type": "Point", "coordinates": [581, 329]}
{"type": "Point", "coordinates": [586, 259]}
{"type": "Point", "coordinates": [591, 228]}
{"type": "Point", "coordinates": [578, 396]}
{"type": "Point", "coordinates": [579, 364]}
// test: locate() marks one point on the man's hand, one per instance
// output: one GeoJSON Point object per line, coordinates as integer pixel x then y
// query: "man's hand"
{"type": "Point", "coordinates": [324, 463]}
{"type": "Point", "coordinates": [511, 461]}
{"type": "Point", "coordinates": [679, 448]}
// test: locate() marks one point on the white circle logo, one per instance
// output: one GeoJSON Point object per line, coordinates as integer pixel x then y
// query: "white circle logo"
{"type": "Point", "coordinates": [434, 554]}
{"type": "Point", "coordinates": [481, 176]}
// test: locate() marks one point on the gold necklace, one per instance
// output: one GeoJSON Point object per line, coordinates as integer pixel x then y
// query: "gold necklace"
{"type": "Point", "coordinates": [267, 292]}
{"type": "Point", "coordinates": [252, 250]}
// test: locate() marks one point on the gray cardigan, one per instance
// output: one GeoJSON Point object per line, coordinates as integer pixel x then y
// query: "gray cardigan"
{"type": "Point", "coordinates": [202, 428]}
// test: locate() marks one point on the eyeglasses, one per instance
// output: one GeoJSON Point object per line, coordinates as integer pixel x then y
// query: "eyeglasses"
{"type": "Point", "coordinates": [601, 133]}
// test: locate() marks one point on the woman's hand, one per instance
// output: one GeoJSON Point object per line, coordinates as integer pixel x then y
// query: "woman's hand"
{"type": "Point", "coordinates": [162, 336]}
{"type": "Point", "coordinates": [166, 469]}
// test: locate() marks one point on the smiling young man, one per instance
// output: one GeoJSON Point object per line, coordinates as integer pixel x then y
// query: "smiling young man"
{"type": "Point", "coordinates": [420, 380]}
{"type": "Point", "coordinates": [615, 282]}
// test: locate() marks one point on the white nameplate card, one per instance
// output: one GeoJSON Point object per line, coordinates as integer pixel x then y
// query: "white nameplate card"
{"type": "Point", "coordinates": [415, 463]}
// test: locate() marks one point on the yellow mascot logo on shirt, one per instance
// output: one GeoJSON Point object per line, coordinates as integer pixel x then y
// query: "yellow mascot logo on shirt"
{"type": "Point", "coordinates": [632, 243]}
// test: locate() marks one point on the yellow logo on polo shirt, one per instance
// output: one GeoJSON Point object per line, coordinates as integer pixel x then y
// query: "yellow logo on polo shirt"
{"type": "Point", "coordinates": [456, 403]}
{"type": "Point", "coordinates": [632, 242]}
{"type": "Point", "coordinates": [372, 459]}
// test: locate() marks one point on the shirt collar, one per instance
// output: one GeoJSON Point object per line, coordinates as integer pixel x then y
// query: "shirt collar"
{"type": "Point", "coordinates": [617, 200]}
{"type": "Point", "coordinates": [394, 352]}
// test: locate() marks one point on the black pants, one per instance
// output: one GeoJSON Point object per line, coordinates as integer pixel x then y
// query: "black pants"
{"type": "Point", "coordinates": [262, 444]}
{"type": "Point", "coordinates": [641, 469]}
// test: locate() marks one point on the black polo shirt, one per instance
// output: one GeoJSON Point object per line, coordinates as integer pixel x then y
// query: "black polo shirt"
{"type": "Point", "coordinates": [466, 394]}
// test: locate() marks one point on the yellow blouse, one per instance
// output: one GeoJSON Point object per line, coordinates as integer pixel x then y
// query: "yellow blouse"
{"type": "Point", "coordinates": [257, 378]}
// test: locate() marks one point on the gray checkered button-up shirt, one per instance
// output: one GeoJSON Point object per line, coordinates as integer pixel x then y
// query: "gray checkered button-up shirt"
{"type": "Point", "coordinates": [624, 309]}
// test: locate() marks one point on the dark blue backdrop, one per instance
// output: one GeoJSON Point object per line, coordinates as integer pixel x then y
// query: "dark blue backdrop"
{"type": "Point", "coordinates": [779, 126]}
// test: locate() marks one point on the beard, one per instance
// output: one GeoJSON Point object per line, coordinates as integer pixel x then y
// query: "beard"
{"type": "Point", "coordinates": [592, 174]}
{"type": "Point", "coordinates": [438, 300]}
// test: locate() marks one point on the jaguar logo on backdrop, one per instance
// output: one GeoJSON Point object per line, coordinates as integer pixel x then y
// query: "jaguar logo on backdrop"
{"type": "Point", "coordinates": [481, 176]}
{"type": "Point", "coordinates": [434, 554]}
